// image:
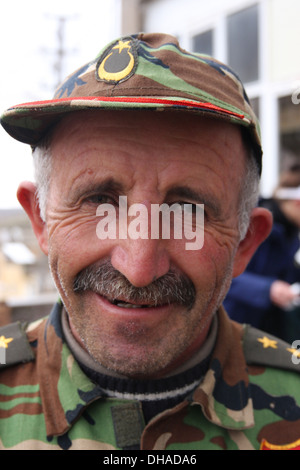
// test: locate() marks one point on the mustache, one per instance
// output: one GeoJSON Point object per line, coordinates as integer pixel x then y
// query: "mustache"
{"type": "Point", "coordinates": [108, 282]}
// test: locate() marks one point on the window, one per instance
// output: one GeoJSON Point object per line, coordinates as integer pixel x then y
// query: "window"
{"type": "Point", "coordinates": [203, 42]}
{"type": "Point", "coordinates": [242, 42]}
{"type": "Point", "coordinates": [289, 133]}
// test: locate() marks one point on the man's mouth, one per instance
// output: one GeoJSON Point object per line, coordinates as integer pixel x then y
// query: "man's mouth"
{"type": "Point", "coordinates": [114, 287]}
{"type": "Point", "coordinates": [125, 304]}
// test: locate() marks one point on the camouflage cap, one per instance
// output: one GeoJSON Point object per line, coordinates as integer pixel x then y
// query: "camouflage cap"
{"type": "Point", "coordinates": [143, 71]}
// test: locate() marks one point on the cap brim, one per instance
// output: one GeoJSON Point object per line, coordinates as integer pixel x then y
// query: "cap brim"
{"type": "Point", "coordinates": [29, 122]}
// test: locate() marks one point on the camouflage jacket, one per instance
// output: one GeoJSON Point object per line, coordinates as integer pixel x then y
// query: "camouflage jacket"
{"type": "Point", "coordinates": [248, 399]}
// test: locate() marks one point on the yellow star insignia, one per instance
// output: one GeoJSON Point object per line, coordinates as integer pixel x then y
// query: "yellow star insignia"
{"type": "Point", "coordinates": [267, 342]}
{"type": "Point", "coordinates": [4, 341]}
{"type": "Point", "coordinates": [122, 45]}
{"type": "Point", "coordinates": [295, 352]}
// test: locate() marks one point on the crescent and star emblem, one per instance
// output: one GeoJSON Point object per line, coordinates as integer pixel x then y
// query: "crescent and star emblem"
{"type": "Point", "coordinates": [118, 63]}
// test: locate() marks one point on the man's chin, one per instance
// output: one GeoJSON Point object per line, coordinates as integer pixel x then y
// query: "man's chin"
{"type": "Point", "coordinates": [138, 342]}
{"type": "Point", "coordinates": [132, 353]}
{"type": "Point", "coordinates": [140, 368]}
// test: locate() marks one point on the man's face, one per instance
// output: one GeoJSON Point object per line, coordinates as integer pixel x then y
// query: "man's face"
{"type": "Point", "coordinates": [150, 158]}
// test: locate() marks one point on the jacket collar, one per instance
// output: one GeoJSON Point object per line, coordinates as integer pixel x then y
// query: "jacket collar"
{"type": "Point", "coordinates": [66, 391]}
{"type": "Point", "coordinates": [224, 394]}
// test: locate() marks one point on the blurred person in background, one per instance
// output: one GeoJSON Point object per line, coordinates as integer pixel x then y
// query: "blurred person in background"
{"type": "Point", "coordinates": [267, 294]}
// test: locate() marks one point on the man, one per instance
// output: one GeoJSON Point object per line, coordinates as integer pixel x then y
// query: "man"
{"type": "Point", "coordinates": [138, 353]}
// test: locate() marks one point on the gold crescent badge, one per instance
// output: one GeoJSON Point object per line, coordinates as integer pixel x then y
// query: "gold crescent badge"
{"type": "Point", "coordinates": [117, 63]}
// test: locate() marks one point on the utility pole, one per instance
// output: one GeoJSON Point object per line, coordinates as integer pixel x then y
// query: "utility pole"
{"type": "Point", "coordinates": [60, 51]}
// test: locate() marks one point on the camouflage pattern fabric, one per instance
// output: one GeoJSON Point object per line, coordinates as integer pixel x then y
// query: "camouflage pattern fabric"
{"type": "Point", "coordinates": [49, 403]}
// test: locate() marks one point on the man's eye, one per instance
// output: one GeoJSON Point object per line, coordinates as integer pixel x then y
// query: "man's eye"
{"type": "Point", "coordinates": [190, 207]}
{"type": "Point", "coordinates": [100, 199]}
{"type": "Point", "coordinates": [196, 211]}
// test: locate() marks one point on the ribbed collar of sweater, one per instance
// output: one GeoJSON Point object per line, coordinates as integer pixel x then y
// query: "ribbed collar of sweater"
{"type": "Point", "coordinates": [155, 395]}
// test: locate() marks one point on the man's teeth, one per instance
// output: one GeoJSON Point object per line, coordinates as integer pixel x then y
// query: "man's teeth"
{"type": "Point", "coordinates": [122, 304]}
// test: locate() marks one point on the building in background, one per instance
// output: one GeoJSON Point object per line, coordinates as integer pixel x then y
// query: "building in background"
{"type": "Point", "coordinates": [260, 40]}
{"type": "Point", "coordinates": [27, 291]}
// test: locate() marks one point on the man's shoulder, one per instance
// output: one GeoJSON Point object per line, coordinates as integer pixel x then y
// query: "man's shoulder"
{"type": "Point", "coordinates": [263, 349]}
{"type": "Point", "coordinates": [16, 343]}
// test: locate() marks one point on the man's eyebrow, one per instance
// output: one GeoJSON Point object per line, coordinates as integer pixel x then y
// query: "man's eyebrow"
{"type": "Point", "coordinates": [108, 185]}
{"type": "Point", "coordinates": [196, 197]}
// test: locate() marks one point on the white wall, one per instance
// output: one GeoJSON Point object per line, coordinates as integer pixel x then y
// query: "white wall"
{"type": "Point", "coordinates": [284, 39]}
{"type": "Point", "coordinates": [279, 34]}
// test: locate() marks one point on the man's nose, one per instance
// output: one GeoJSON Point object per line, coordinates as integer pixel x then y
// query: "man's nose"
{"type": "Point", "coordinates": [141, 261]}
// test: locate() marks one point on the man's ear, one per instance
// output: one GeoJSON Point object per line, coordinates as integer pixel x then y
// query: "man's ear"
{"type": "Point", "coordinates": [260, 226]}
{"type": "Point", "coordinates": [27, 197]}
